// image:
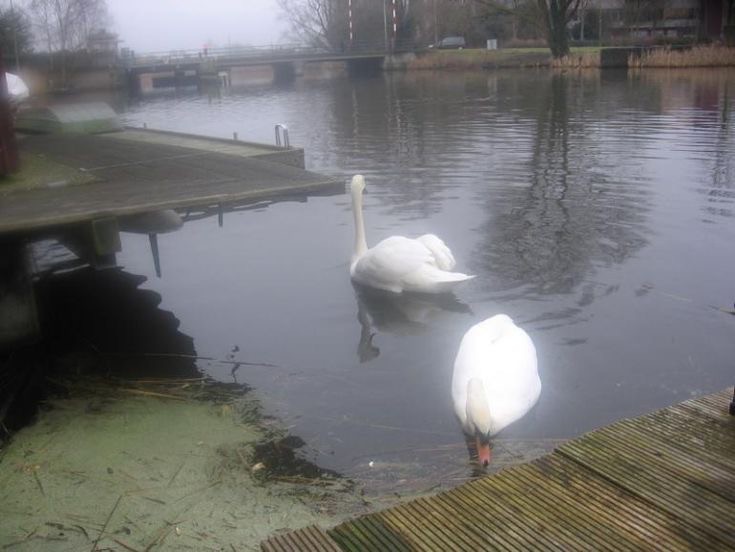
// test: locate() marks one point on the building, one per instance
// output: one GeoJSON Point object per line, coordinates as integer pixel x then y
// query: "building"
{"type": "Point", "coordinates": [102, 42]}
{"type": "Point", "coordinates": [662, 19]}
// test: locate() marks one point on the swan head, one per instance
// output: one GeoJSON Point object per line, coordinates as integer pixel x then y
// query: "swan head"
{"type": "Point", "coordinates": [479, 420]}
{"type": "Point", "coordinates": [358, 184]}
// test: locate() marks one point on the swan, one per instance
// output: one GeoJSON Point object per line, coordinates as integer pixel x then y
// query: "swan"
{"type": "Point", "coordinates": [495, 380]}
{"type": "Point", "coordinates": [397, 263]}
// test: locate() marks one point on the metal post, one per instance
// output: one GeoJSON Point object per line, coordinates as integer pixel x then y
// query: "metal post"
{"type": "Point", "coordinates": [285, 142]}
{"type": "Point", "coordinates": [153, 239]}
{"type": "Point", "coordinates": [385, 27]}
{"type": "Point", "coordinates": [436, 25]}
{"type": "Point", "coordinates": [395, 24]}
{"type": "Point", "coordinates": [732, 404]}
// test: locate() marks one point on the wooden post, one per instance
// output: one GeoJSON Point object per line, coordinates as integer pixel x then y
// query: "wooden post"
{"type": "Point", "coordinates": [8, 147]}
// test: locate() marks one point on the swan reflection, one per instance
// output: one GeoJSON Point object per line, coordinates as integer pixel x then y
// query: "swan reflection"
{"type": "Point", "coordinates": [404, 314]}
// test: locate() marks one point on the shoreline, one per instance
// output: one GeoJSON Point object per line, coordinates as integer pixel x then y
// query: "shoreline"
{"type": "Point", "coordinates": [580, 57]}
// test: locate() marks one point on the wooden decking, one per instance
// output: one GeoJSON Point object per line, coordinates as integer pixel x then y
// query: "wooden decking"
{"type": "Point", "coordinates": [662, 481]}
{"type": "Point", "coordinates": [137, 171]}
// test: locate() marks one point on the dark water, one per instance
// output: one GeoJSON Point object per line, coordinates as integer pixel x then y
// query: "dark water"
{"type": "Point", "coordinates": [598, 211]}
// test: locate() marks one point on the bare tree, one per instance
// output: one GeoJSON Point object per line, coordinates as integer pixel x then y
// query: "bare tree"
{"type": "Point", "coordinates": [16, 37]}
{"type": "Point", "coordinates": [326, 23]}
{"type": "Point", "coordinates": [319, 23]}
{"type": "Point", "coordinates": [555, 17]}
{"type": "Point", "coordinates": [64, 25]}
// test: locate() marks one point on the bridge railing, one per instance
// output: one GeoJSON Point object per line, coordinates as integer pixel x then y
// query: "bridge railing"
{"type": "Point", "coordinates": [293, 51]}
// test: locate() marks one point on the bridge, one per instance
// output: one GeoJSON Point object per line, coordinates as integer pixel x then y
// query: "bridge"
{"type": "Point", "coordinates": [190, 66]}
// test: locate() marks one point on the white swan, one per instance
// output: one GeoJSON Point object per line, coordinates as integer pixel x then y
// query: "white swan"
{"type": "Point", "coordinates": [399, 264]}
{"type": "Point", "coordinates": [495, 380]}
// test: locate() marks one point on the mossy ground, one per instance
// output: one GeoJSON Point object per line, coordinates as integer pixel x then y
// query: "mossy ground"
{"type": "Point", "coordinates": [127, 469]}
{"type": "Point", "coordinates": [38, 171]}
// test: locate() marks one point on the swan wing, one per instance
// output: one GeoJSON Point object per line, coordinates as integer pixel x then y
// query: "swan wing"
{"type": "Point", "coordinates": [442, 254]}
{"type": "Point", "coordinates": [503, 357]}
{"type": "Point", "coordinates": [385, 265]}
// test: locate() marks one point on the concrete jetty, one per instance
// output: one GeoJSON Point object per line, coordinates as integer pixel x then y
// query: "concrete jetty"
{"type": "Point", "coordinates": [86, 177]}
{"type": "Point", "coordinates": [83, 189]}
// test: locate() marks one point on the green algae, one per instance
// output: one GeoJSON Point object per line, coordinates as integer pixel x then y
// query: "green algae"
{"type": "Point", "coordinates": [153, 470]}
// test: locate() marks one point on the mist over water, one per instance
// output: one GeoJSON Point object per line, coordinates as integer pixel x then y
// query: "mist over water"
{"type": "Point", "coordinates": [597, 211]}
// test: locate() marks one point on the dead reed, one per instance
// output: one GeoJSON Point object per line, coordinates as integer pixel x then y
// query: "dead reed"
{"type": "Point", "coordinates": [479, 59]}
{"type": "Point", "coordinates": [581, 60]}
{"type": "Point", "coordinates": [698, 56]}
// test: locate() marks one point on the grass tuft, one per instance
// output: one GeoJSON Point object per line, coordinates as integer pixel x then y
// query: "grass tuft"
{"type": "Point", "coordinates": [577, 60]}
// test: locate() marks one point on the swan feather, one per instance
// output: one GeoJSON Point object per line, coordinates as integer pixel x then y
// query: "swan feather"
{"type": "Point", "coordinates": [442, 254]}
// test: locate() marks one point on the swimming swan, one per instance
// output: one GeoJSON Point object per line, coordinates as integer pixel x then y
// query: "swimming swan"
{"type": "Point", "coordinates": [495, 380]}
{"type": "Point", "coordinates": [397, 263]}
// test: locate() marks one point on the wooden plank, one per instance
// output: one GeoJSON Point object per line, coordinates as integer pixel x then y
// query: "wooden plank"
{"type": "Point", "coordinates": [459, 534]}
{"type": "Point", "coordinates": [632, 517]}
{"type": "Point", "coordinates": [486, 529]}
{"type": "Point", "coordinates": [703, 469]}
{"type": "Point", "coordinates": [673, 439]}
{"type": "Point", "coordinates": [681, 461]}
{"type": "Point", "coordinates": [560, 521]}
{"type": "Point", "coordinates": [377, 535]}
{"type": "Point", "coordinates": [308, 539]}
{"type": "Point", "coordinates": [583, 522]}
{"type": "Point", "coordinates": [707, 434]}
{"type": "Point", "coordinates": [525, 523]}
{"type": "Point", "coordinates": [495, 531]}
{"type": "Point", "coordinates": [699, 508]}
{"type": "Point", "coordinates": [422, 535]}
{"type": "Point", "coordinates": [665, 480]}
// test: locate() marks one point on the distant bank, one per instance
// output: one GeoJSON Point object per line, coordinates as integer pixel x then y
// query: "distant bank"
{"type": "Point", "coordinates": [592, 57]}
{"type": "Point", "coordinates": [85, 75]}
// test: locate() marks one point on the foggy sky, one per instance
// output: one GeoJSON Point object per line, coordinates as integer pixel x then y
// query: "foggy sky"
{"type": "Point", "coordinates": [162, 25]}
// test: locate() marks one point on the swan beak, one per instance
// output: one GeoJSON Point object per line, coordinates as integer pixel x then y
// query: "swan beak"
{"type": "Point", "coordinates": [484, 454]}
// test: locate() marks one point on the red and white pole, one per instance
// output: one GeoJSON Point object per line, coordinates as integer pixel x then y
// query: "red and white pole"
{"type": "Point", "coordinates": [395, 24]}
{"type": "Point", "coordinates": [349, 16]}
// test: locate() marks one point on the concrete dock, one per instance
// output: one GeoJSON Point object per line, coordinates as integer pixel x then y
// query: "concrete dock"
{"type": "Point", "coordinates": [86, 177]}
{"type": "Point", "coordinates": [663, 481]}
{"type": "Point", "coordinates": [83, 189]}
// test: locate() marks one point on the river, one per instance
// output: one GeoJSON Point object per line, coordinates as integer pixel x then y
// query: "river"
{"type": "Point", "coordinates": [597, 210]}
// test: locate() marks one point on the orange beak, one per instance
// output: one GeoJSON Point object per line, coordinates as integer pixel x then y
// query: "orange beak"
{"type": "Point", "coordinates": [484, 454]}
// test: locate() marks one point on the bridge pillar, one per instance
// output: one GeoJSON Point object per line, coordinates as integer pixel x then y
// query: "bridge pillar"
{"type": "Point", "coordinates": [180, 78]}
{"type": "Point", "coordinates": [284, 72]}
{"type": "Point", "coordinates": [360, 67]}
{"type": "Point", "coordinates": [133, 81]}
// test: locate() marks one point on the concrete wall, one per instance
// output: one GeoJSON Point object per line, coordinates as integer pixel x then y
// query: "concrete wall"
{"type": "Point", "coordinates": [41, 81]}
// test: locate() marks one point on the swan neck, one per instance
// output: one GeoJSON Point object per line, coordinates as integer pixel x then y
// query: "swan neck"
{"type": "Point", "coordinates": [360, 242]}
{"type": "Point", "coordinates": [478, 409]}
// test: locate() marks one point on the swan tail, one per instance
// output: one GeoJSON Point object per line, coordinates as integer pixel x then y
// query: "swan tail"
{"type": "Point", "coordinates": [432, 280]}
{"type": "Point", "coordinates": [456, 279]}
